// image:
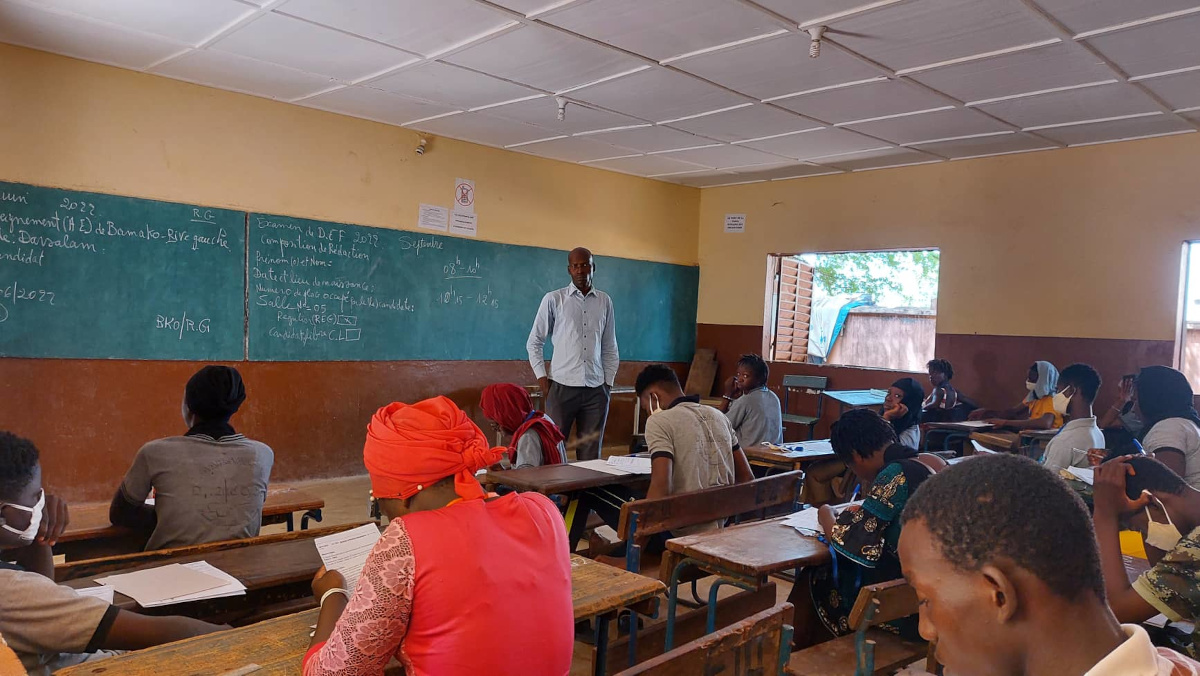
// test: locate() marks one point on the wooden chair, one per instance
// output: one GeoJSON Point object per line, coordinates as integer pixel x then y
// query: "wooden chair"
{"type": "Point", "coordinates": [808, 385]}
{"type": "Point", "coordinates": [642, 518]}
{"type": "Point", "coordinates": [756, 646]}
{"type": "Point", "coordinates": [869, 650]}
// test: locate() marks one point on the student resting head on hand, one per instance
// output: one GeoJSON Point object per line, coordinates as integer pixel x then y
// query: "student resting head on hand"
{"type": "Point", "coordinates": [1003, 559]}
{"type": "Point", "coordinates": [50, 626]}
{"type": "Point", "coordinates": [752, 408]}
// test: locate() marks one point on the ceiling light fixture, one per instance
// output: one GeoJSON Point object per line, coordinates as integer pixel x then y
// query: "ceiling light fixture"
{"type": "Point", "coordinates": [562, 108]}
{"type": "Point", "coordinates": [814, 48]}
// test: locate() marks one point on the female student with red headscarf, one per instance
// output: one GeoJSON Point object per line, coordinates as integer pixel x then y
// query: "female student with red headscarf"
{"type": "Point", "coordinates": [535, 439]}
{"type": "Point", "coordinates": [459, 583]}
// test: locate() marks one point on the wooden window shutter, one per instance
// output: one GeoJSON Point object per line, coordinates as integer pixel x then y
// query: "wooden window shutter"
{"type": "Point", "coordinates": [793, 310]}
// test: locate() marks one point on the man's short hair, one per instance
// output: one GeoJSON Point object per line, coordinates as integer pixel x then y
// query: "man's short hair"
{"type": "Point", "coordinates": [995, 507]}
{"type": "Point", "coordinates": [18, 463]}
{"type": "Point", "coordinates": [861, 431]}
{"type": "Point", "coordinates": [1151, 475]}
{"type": "Point", "coordinates": [1083, 377]}
{"type": "Point", "coordinates": [654, 374]}
{"type": "Point", "coordinates": [757, 366]}
{"type": "Point", "coordinates": [941, 366]}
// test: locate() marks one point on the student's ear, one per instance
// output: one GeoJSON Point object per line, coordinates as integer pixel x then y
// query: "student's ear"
{"type": "Point", "coordinates": [1002, 594]}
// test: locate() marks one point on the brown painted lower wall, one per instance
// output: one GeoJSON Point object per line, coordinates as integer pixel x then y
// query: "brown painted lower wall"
{"type": "Point", "coordinates": [989, 369]}
{"type": "Point", "coordinates": [89, 417]}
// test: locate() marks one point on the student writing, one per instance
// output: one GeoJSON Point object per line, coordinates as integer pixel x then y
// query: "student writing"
{"type": "Point", "coordinates": [534, 438]}
{"type": "Point", "coordinates": [1036, 411]}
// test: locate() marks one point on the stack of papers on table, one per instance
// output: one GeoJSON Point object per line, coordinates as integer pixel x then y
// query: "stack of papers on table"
{"type": "Point", "coordinates": [618, 465]}
{"type": "Point", "coordinates": [176, 583]}
{"type": "Point", "coordinates": [800, 449]}
{"type": "Point", "coordinates": [805, 521]}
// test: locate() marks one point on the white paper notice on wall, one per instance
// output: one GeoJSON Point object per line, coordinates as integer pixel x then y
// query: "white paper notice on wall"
{"type": "Point", "coordinates": [464, 223]}
{"type": "Point", "coordinates": [735, 222]}
{"type": "Point", "coordinates": [464, 195]}
{"type": "Point", "coordinates": [433, 217]}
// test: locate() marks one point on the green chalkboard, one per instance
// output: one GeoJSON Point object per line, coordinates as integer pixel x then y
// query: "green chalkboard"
{"type": "Point", "coordinates": [92, 276]}
{"type": "Point", "coordinates": [326, 291]}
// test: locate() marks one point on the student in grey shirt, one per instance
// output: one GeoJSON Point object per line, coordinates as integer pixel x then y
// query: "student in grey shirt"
{"type": "Point", "coordinates": [1078, 384]}
{"type": "Point", "coordinates": [753, 410]}
{"type": "Point", "coordinates": [209, 484]}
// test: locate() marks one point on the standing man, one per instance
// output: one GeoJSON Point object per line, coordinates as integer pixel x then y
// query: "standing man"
{"type": "Point", "coordinates": [580, 323]}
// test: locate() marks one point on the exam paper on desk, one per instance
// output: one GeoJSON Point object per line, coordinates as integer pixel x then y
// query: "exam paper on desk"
{"type": "Point", "coordinates": [806, 520]}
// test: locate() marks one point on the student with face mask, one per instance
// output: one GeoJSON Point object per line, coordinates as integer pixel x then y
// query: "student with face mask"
{"type": "Point", "coordinates": [1077, 387]}
{"type": "Point", "coordinates": [1036, 411]}
{"type": "Point", "coordinates": [1157, 502]}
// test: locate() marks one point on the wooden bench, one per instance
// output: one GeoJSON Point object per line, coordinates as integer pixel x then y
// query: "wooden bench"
{"type": "Point", "coordinates": [756, 646]}
{"type": "Point", "coordinates": [869, 650]}
{"type": "Point", "coordinates": [644, 518]}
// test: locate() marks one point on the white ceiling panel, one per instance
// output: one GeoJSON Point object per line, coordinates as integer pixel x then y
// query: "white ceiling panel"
{"type": "Point", "coordinates": [230, 71]}
{"type": "Point", "coordinates": [726, 157]}
{"type": "Point", "coordinates": [451, 85]}
{"type": "Point", "coordinates": [931, 126]}
{"type": "Point", "coordinates": [776, 67]}
{"type": "Point", "coordinates": [664, 28]}
{"type": "Point", "coordinates": [1154, 48]}
{"type": "Point", "coordinates": [574, 149]}
{"type": "Point", "coordinates": [786, 171]}
{"type": "Point", "coordinates": [743, 124]}
{"type": "Point", "coordinates": [187, 21]}
{"type": "Point", "coordinates": [711, 180]}
{"type": "Point", "coordinates": [374, 104]}
{"type": "Point", "coordinates": [82, 39]}
{"type": "Point", "coordinates": [986, 145]}
{"type": "Point", "coordinates": [304, 46]}
{"type": "Point", "coordinates": [1118, 130]}
{"type": "Point", "coordinates": [415, 25]}
{"type": "Point", "coordinates": [804, 11]}
{"type": "Point", "coordinates": [865, 101]}
{"type": "Point", "coordinates": [657, 95]}
{"type": "Point", "coordinates": [1193, 115]}
{"type": "Point", "coordinates": [819, 143]}
{"type": "Point", "coordinates": [480, 128]}
{"type": "Point", "coordinates": [544, 113]}
{"type": "Point", "coordinates": [878, 159]}
{"type": "Point", "coordinates": [544, 58]}
{"type": "Point", "coordinates": [526, 6]}
{"type": "Point", "coordinates": [649, 165]}
{"type": "Point", "coordinates": [923, 32]}
{"type": "Point", "coordinates": [1050, 67]}
{"type": "Point", "coordinates": [1081, 16]}
{"type": "Point", "coordinates": [1181, 90]}
{"type": "Point", "coordinates": [1074, 105]}
{"type": "Point", "coordinates": [651, 139]}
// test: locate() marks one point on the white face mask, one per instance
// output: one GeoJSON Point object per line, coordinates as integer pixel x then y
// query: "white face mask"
{"type": "Point", "coordinates": [1061, 401]}
{"type": "Point", "coordinates": [654, 404]}
{"type": "Point", "coordinates": [1162, 536]}
{"type": "Point", "coordinates": [31, 531]}
{"type": "Point", "coordinates": [1030, 386]}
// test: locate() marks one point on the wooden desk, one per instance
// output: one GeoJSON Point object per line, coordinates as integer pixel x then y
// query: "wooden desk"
{"type": "Point", "coordinates": [856, 398]}
{"type": "Point", "coordinates": [278, 646]}
{"type": "Point", "coordinates": [90, 534]}
{"type": "Point", "coordinates": [1033, 442]}
{"type": "Point", "coordinates": [951, 431]}
{"type": "Point", "coordinates": [997, 440]}
{"type": "Point", "coordinates": [582, 487]}
{"type": "Point", "coordinates": [793, 456]}
{"type": "Point", "coordinates": [744, 555]}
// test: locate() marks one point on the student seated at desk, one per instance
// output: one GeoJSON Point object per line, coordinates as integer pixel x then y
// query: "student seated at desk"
{"type": "Point", "coordinates": [460, 583]}
{"type": "Point", "coordinates": [902, 408]}
{"type": "Point", "coordinates": [210, 483]}
{"type": "Point", "coordinates": [534, 438]}
{"type": "Point", "coordinates": [1078, 385]}
{"type": "Point", "coordinates": [1120, 423]}
{"type": "Point", "coordinates": [1002, 557]}
{"type": "Point", "coordinates": [50, 626]}
{"type": "Point", "coordinates": [942, 403]}
{"type": "Point", "coordinates": [1036, 412]}
{"type": "Point", "coordinates": [692, 446]}
{"type": "Point", "coordinates": [862, 538]}
{"type": "Point", "coordinates": [1170, 433]}
{"type": "Point", "coordinates": [753, 409]}
{"type": "Point", "coordinates": [1155, 501]}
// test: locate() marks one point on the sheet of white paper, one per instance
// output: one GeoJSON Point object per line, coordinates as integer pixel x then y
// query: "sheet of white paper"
{"type": "Point", "coordinates": [346, 552]}
{"type": "Point", "coordinates": [101, 592]}
{"type": "Point", "coordinates": [1084, 474]}
{"type": "Point", "coordinates": [601, 466]}
{"type": "Point", "coordinates": [231, 586]}
{"type": "Point", "coordinates": [802, 448]}
{"type": "Point", "coordinates": [151, 587]}
{"type": "Point", "coordinates": [806, 521]}
{"type": "Point", "coordinates": [631, 464]}
{"type": "Point", "coordinates": [735, 222]}
{"type": "Point", "coordinates": [464, 195]}
{"type": "Point", "coordinates": [972, 423]}
{"type": "Point", "coordinates": [980, 448]}
{"type": "Point", "coordinates": [433, 217]}
{"type": "Point", "coordinates": [464, 224]}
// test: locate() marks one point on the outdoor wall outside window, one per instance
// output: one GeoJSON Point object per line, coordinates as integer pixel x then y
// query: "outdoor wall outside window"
{"type": "Point", "coordinates": [876, 309]}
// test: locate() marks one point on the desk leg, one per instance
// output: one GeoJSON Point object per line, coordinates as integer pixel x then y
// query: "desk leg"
{"type": "Point", "coordinates": [601, 661]}
{"type": "Point", "coordinates": [672, 604]}
{"type": "Point", "coordinates": [291, 522]}
{"type": "Point", "coordinates": [578, 509]}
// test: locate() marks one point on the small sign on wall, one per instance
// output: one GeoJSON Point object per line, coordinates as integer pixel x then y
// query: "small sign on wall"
{"type": "Point", "coordinates": [735, 222]}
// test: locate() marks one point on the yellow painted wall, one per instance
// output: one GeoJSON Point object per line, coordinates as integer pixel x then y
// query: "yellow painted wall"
{"type": "Point", "coordinates": [73, 124]}
{"type": "Point", "coordinates": [1083, 242]}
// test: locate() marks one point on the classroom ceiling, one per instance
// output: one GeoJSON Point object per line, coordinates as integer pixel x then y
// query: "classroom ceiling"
{"type": "Point", "coordinates": [698, 92]}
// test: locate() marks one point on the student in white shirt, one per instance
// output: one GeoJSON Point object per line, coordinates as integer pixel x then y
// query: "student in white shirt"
{"type": "Point", "coordinates": [1077, 387]}
{"type": "Point", "coordinates": [1003, 559]}
{"type": "Point", "coordinates": [1170, 423]}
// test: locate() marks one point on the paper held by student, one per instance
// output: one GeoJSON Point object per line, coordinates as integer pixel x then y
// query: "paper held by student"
{"type": "Point", "coordinates": [347, 552]}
